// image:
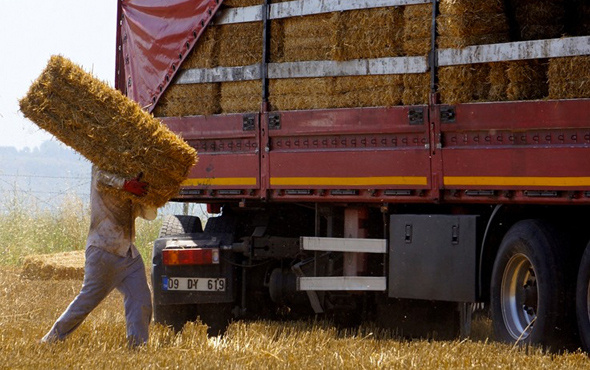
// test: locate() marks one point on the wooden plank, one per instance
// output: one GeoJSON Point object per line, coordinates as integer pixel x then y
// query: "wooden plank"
{"type": "Point", "coordinates": [305, 7]}
{"type": "Point", "coordinates": [313, 243]}
{"type": "Point", "coordinates": [536, 49]}
{"type": "Point", "coordinates": [219, 74]}
{"type": "Point", "coordinates": [316, 68]}
{"type": "Point", "coordinates": [342, 283]}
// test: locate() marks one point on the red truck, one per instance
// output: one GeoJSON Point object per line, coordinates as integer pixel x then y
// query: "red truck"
{"type": "Point", "coordinates": [409, 214]}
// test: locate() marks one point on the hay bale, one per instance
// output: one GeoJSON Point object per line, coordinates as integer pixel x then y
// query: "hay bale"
{"type": "Point", "coordinates": [57, 266]}
{"type": "Point", "coordinates": [498, 82]}
{"type": "Point", "coordinates": [416, 88]}
{"type": "Point", "coordinates": [569, 78]}
{"type": "Point", "coordinates": [465, 83]}
{"type": "Point", "coordinates": [417, 28]}
{"type": "Point", "coordinates": [312, 37]}
{"type": "Point", "coordinates": [241, 3]}
{"type": "Point", "coordinates": [241, 96]}
{"type": "Point", "coordinates": [370, 33]}
{"type": "Point", "coordinates": [301, 93]}
{"type": "Point", "coordinates": [533, 19]}
{"type": "Point", "coordinates": [368, 91]}
{"type": "Point", "coordinates": [239, 44]}
{"type": "Point", "coordinates": [528, 80]}
{"type": "Point", "coordinates": [203, 54]}
{"type": "Point", "coordinates": [107, 128]}
{"type": "Point", "coordinates": [189, 100]}
{"type": "Point", "coordinates": [464, 23]}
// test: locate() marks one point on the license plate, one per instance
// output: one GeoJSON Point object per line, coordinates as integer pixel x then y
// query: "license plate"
{"type": "Point", "coordinates": [193, 284]}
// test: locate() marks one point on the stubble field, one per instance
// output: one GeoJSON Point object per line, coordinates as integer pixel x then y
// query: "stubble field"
{"type": "Point", "coordinates": [29, 306]}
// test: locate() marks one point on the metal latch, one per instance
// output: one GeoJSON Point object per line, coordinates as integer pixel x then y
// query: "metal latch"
{"type": "Point", "coordinates": [249, 122]}
{"type": "Point", "coordinates": [447, 114]}
{"type": "Point", "coordinates": [416, 116]}
{"type": "Point", "coordinates": [274, 121]}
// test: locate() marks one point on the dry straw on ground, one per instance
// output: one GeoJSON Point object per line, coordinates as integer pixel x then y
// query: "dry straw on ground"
{"type": "Point", "coordinates": [56, 266]}
{"type": "Point", "coordinates": [108, 129]}
{"type": "Point", "coordinates": [29, 308]}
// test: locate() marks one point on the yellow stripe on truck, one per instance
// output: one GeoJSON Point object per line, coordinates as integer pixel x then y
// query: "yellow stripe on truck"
{"type": "Point", "coordinates": [515, 181]}
{"type": "Point", "coordinates": [220, 181]}
{"type": "Point", "coordinates": [348, 181]}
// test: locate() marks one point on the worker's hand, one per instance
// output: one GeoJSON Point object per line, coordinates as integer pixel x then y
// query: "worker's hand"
{"type": "Point", "coordinates": [136, 186]}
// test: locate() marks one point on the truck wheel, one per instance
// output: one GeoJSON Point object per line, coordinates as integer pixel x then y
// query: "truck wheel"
{"type": "Point", "coordinates": [528, 291]}
{"type": "Point", "coordinates": [216, 316]}
{"type": "Point", "coordinates": [174, 315]}
{"type": "Point", "coordinates": [583, 299]}
{"type": "Point", "coordinates": [177, 224]}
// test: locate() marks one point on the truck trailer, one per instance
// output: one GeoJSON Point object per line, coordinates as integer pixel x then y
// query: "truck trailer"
{"type": "Point", "coordinates": [398, 161]}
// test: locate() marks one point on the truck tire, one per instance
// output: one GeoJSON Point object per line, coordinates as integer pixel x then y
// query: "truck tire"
{"type": "Point", "coordinates": [528, 290]}
{"type": "Point", "coordinates": [177, 224]}
{"type": "Point", "coordinates": [174, 315]}
{"type": "Point", "coordinates": [583, 299]}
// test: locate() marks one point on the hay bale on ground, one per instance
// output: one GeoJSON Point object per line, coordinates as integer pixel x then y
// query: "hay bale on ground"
{"type": "Point", "coordinates": [107, 128]}
{"type": "Point", "coordinates": [57, 266]}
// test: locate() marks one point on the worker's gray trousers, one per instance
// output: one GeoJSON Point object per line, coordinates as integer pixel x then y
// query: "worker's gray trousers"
{"type": "Point", "coordinates": [104, 272]}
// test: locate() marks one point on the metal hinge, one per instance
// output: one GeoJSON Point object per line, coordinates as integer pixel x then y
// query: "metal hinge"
{"type": "Point", "coordinates": [274, 121]}
{"type": "Point", "coordinates": [447, 114]}
{"type": "Point", "coordinates": [416, 116]}
{"type": "Point", "coordinates": [249, 122]}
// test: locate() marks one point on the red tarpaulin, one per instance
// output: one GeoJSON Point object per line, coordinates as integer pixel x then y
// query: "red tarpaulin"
{"type": "Point", "coordinates": [154, 38]}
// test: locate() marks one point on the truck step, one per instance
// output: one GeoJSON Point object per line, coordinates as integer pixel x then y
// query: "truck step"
{"type": "Point", "coordinates": [356, 245]}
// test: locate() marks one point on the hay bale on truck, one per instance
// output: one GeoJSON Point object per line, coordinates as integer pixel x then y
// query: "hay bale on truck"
{"type": "Point", "coordinates": [107, 128]}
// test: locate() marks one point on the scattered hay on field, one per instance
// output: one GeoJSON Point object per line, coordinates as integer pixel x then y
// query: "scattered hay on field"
{"type": "Point", "coordinates": [241, 96]}
{"type": "Point", "coordinates": [107, 128]}
{"type": "Point", "coordinates": [569, 78]}
{"type": "Point", "coordinates": [57, 266]}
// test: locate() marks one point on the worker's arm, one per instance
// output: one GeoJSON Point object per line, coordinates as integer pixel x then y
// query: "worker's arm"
{"type": "Point", "coordinates": [134, 186]}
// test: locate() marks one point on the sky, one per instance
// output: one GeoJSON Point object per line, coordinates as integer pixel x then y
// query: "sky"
{"type": "Point", "coordinates": [31, 31]}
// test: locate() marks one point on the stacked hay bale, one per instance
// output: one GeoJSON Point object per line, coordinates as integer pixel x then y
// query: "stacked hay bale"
{"type": "Point", "coordinates": [569, 78]}
{"type": "Point", "coordinates": [58, 266]}
{"type": "Point", "coordinates": [364, 34]}
{"type": "Point", "coordinates": [107, 128]}
{"type": "Point", "coordinates": [306, 38]}
{"type": "Point", "coordinates": [417, 42]}
{"type": "Point", "coordinates": [533, 20]}
{"type": "Point", "coordinates": [464, 23]}
{"type": "Point", "coordinates": [180, 100]}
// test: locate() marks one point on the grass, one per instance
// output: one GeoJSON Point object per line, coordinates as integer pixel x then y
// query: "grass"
{"type": "Point", "coordinates": [28, 308]}
{"type": "Point", "coordinates": [27, 228]}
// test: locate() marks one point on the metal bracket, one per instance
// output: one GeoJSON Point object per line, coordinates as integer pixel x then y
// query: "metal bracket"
{"type": "Point", "coordinates": [447, 114]}
{"type": "Point", "coordinates": [249, 122]}
{"type": "Point", "coordinates": [274, 121]}
{"type": "Point", "coordinates": [416, 116]}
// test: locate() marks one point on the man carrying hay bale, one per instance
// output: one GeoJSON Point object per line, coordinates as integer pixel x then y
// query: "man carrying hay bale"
{"type": "Point", "coordinates": [112, 260]}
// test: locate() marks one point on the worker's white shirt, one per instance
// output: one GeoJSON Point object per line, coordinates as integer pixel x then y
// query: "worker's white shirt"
{"type": "Point", "coordinates": [112, 219]}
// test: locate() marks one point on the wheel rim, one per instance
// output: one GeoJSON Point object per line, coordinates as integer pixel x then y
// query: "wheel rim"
{"type": "Point", "coordinates": [519, 296]}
